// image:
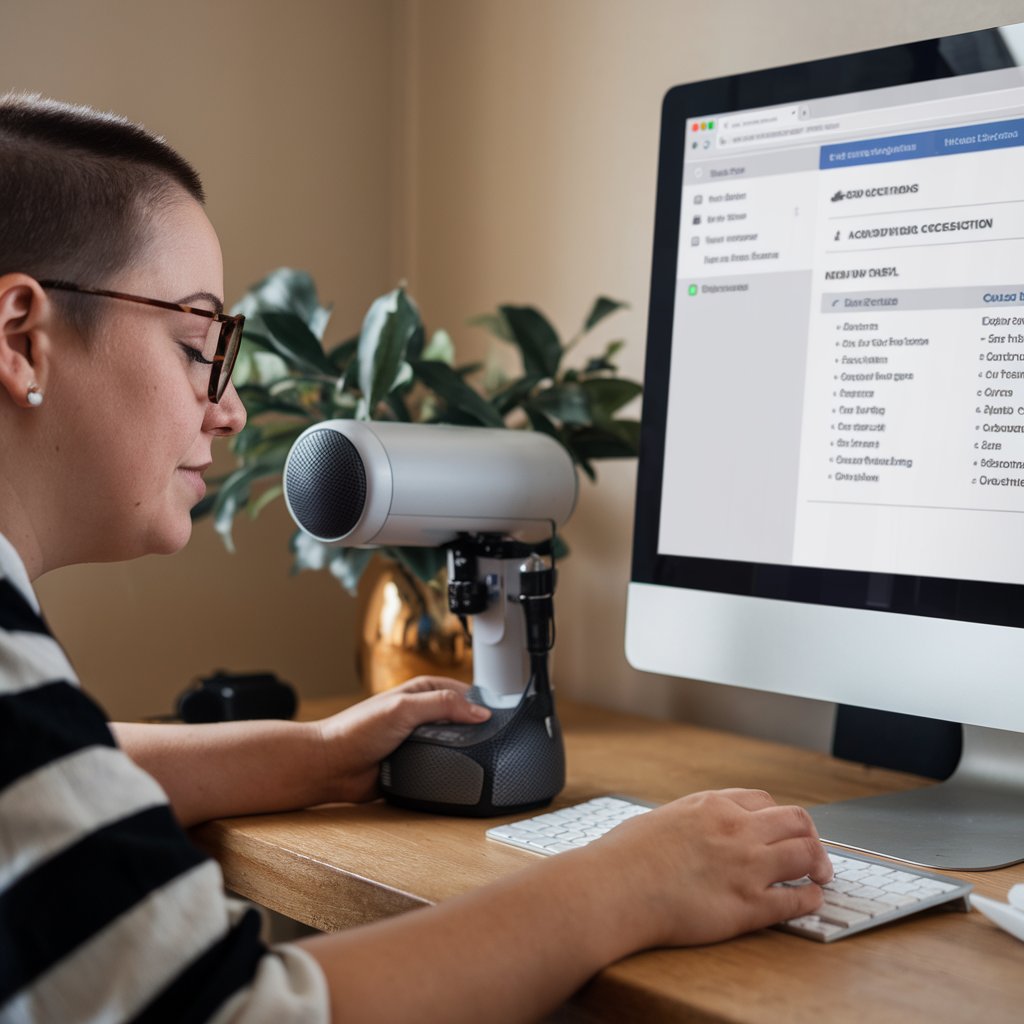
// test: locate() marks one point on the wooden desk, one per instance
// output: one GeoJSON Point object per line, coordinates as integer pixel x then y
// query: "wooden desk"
{"type": "Point", "coordinates": [336, 866]}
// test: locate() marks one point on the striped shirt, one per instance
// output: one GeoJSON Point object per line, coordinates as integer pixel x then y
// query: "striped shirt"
{"type": "Point", "coordinates": [107, 911]}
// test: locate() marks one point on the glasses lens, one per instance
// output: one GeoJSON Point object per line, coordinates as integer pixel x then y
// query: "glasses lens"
{"type": "Point", "coordinates": [231, 347]}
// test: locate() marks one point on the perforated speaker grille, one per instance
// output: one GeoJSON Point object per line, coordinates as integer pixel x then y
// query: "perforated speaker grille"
{"type": "Point", "coordinates": [326, 483]}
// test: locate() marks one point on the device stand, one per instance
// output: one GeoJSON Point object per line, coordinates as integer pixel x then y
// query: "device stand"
{"type": "Point", "coordinates": [970, 822]}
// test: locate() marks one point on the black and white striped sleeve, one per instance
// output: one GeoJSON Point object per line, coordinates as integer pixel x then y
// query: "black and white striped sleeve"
{"type": "Point", "coordinates": [107, 911]}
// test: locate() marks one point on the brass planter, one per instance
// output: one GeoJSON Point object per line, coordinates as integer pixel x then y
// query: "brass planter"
{"type": "Point", "coordinates": [407, 630]}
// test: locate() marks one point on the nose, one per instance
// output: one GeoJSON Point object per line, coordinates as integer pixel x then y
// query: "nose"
{"type": "Point", "coordinates": [228, 416]}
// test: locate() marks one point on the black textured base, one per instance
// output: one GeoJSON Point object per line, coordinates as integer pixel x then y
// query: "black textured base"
{"type": "Point", "coordinates": [482, 810]}
{"type": "Point", "coordinates": [513, 762]}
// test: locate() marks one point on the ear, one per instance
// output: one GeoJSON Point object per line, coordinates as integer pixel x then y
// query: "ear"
{"type": "Point", "coordinates": [26, 318]}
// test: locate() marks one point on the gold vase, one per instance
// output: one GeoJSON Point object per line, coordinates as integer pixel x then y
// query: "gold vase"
{"type": "Point", "coordinates": [407, 630]}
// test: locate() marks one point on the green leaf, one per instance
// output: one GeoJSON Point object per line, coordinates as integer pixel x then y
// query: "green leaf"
{"type": "Point", "coordinates": [353, 373]}
{"type": "Point", "coordinates": [233, 496]}
{"type": "Point", "coordinates": [245, 367]}
{"type": "Point", "coordinates": [566, 403]}
{"type": "Point", "coordinates": [536, 338]}
{"type": "Point", "coordinates": [343, 405]}
{"type": "Point", "coordinates": [205, 506]}
{"type": "Point", "coordinates": [618, 440]}
{"type": "Point", "coordinates": [604, 361]}
{"type": "Point", "coordinates": [559, 548]}
{"type": "Point", "coordinates": [265, 364]}
{"type": "Point", "coordinates": [441, 348]}
{"type": "Point", "coordinates": [495, 323]}
{"type": "Point", "coordinates": [308, 553]}
{"type": "Point", "coordinates": [513, 394]}
{"type": "Point", "coordinates": [390, 324]}
{"type": "Point", "coordinates": [285, 290]}
{"type": "Point", "coordinates": [258, 400]}
{"type": "Point", "coordinates": [414, 350]}
{"type": "Point", "coordinates": [540, 422]}
{"type": "Point", "coordinates": [347, 566]}
{"type": "Point", "coordinates": [606, 395]}
{"type": "Point", "coordinates": [341, 355]}
{"type": "Point", "coordinates": [602, 308]}
{"type": "Point", "coordinates": [266, 446]}
{"type": "Point", "coordinates": [627, 430]}
{"type": "Point", "coordinates": [467, 369]}
{"type": "Point", "coordinates": [269, 495]}
{"type": "Point", "coordinates": [457, 394]}
{"type": "Point", "coordinates": [398, 407]}
{"type": "Point", "coordinates": [292, 339]}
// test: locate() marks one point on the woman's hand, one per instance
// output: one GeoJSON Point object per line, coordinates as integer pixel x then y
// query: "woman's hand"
{"type": "Point", "coordinates": [702, 868]}
{"type": "Point", "coordinates": [356, 740]}
{"type": "Point", "coordinates": [697, 870]}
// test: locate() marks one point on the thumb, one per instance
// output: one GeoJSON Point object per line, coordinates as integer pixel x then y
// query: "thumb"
{"type": "Point", "coordinates": [437, 705]}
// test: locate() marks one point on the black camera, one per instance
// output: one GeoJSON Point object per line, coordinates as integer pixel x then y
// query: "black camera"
{"type": "Point", "coordinates": [228, 697]}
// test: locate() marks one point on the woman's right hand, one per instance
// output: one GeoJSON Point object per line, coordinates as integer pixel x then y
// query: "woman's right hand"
{"type": "Point", "coordinates": [697, 870]}
{"type": "Point", "coordinates": [702, 868]}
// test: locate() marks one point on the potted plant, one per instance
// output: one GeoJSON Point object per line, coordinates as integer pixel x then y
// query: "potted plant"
{"type": "Point", "coordinates": [289, 379]}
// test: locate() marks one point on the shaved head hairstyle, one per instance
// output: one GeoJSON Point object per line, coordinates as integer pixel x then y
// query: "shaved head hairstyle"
{"type": "Point", "coordinates": [78, 193]}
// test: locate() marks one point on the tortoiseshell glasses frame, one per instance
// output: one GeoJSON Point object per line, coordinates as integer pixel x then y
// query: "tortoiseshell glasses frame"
{"type": "Point", "coordinates": [228, 341]}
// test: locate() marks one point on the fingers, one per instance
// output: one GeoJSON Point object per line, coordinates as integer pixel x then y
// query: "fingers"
{"type": "Point", "coordinates": [421, 684]}
{"type": "Point", "coordinates": [445, 704]}
{"type": "Point", "coordinates": [783, 903]}
{"type": "Point", "coordinates": [793, 840]}
{"type": "Point", "coordinates": [796, 857]}
{"type": "Point", "coordinates": [775, 823]}
{"type": "Point", "coordinates": [749, 799]}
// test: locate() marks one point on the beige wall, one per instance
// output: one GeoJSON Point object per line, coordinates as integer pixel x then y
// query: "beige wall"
{"type": "Point", "coordinates": [490, 151]}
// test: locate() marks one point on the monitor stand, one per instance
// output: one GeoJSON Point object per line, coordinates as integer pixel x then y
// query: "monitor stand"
{"type": "Point", "coordinates": [974, 821]}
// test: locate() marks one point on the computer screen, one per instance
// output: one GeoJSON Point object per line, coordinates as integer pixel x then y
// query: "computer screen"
{"type": "Point", "coordinates": [831, 486]}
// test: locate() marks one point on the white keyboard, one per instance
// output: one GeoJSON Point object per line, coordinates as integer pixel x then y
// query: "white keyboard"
{"type": "Point", "coordinates": [864, 893]}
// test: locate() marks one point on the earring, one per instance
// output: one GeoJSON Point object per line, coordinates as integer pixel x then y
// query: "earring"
{"type": "Point", "coordinates": [34, 396]}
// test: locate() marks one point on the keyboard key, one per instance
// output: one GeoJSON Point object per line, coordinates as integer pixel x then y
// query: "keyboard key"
{"type": "Point", "coordinates": [841, 915]}
{"type": "Point", "coordinates": [869, 907]}
{"type": "Point", "coordinates": [895, 899]}
{"type": "Point", "coordinates": [813, 927]}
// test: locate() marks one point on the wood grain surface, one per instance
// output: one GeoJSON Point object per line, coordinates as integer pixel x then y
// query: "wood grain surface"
{"type": "Point", "coordinates": [340, 865]}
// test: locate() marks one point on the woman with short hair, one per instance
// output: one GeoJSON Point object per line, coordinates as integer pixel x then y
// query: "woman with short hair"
{"type": "Point", "coordinates": [115, 365]}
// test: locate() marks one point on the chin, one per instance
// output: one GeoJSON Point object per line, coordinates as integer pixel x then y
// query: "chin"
{"type": "Point", "coordinates": [170, 541]}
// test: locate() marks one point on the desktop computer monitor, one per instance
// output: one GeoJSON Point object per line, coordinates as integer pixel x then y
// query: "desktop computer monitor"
{"type": "Point", "coordinates": [831, 483]}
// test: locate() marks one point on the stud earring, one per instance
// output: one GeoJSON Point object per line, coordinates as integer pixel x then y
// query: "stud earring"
{"type": "Point", "coordinates": [34, 396]}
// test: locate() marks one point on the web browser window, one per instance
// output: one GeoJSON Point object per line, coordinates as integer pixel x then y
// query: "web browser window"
{"type": "Point", "coordinates": [847, 377]}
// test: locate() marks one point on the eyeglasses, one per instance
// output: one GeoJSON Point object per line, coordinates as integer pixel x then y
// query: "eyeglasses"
{"type": "Point", "coordinates": [224, 347]}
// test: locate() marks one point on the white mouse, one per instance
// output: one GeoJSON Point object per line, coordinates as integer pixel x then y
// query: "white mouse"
{"type": "Point", "coordinates": [1009, 916]}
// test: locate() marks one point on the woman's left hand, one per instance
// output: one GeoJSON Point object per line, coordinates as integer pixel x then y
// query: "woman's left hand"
{"type": "Point", "coordinates": [357, 739]}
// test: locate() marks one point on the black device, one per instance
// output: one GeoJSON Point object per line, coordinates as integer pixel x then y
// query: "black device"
{"type": "Point", "coordinates": [515, 761]}
{"type": "Point", "coordinates": [227, 696]}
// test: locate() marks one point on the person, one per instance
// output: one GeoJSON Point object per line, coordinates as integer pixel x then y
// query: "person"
{"type": "Point", "coordinates": [115, 359]}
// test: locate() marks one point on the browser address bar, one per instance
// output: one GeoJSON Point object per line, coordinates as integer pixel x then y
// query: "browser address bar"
{"type": "Point", "coordinates": [912, 115]}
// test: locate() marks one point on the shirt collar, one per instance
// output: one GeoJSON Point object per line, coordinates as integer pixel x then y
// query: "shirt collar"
{"type": "Point", "coordinates": [12, 567]}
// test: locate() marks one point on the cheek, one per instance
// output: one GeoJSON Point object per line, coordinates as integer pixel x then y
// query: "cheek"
{"type": "Point", "coordinates": [145, 446]}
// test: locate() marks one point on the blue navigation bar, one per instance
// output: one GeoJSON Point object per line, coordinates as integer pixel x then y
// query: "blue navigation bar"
{"type": "Point", "coordinates": [941, 142]}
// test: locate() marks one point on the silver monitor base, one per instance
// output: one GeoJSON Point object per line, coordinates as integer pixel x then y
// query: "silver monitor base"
{"type": "Point", "coordinates": [974, 821]}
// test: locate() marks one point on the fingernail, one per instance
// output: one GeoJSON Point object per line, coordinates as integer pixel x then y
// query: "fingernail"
{"type": "Point", "coordinates": [477, 711]}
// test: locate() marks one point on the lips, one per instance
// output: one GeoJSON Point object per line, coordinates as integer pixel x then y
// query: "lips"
{"type": "Point", "coordinates": [194, 475]}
